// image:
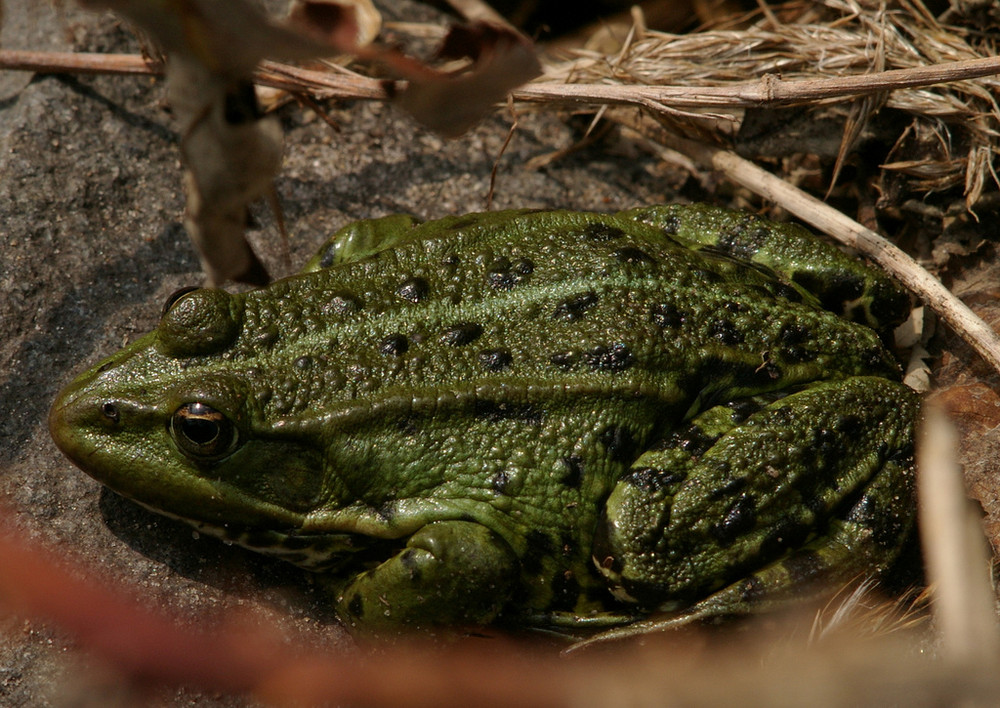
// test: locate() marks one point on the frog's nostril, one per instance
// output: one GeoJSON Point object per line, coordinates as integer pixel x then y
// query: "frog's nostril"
{"type": "Point", "coordinates": [110, 411]}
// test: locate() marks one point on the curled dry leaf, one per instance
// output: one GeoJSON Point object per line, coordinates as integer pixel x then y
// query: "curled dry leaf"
{"type": "Point", "coordinates": [452, 102]}
{"type": "Point", "coordinates": [232, 152]}
{"type": "Point", "coordinates": [336, 21]}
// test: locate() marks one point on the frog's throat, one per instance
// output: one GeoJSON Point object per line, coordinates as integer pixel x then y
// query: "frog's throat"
{"type": "Point", "coordinates": [313, 551]}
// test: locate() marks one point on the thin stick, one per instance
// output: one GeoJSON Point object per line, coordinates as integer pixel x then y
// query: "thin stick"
{"type": "Point", "coordinates": [767, 91]}
{"type": "Point", "coordinates": [77, 62]}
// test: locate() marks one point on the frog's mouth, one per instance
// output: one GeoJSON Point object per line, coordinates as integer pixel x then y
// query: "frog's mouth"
{"type": "Point", "coordinates": [124, 444]}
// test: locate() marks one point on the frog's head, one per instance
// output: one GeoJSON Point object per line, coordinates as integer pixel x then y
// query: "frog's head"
{"type": "Point", "coordinates": [173, 423]}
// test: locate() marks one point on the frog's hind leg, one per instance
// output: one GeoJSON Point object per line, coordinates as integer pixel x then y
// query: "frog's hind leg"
{"type": "Point", "coordinates": [871, 530]}
{"type": "Point", "coordinates": [814, 488]}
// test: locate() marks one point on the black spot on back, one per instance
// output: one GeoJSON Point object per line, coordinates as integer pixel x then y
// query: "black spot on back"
{"type": "Point", "coordinates": [725, 332]}
{"type": "Point", "coordinates": [599, 232]}
{"type": "Point", "coordinates": [619, 442]}
{"type": "Point", "coordinates": [408, 559]}
{"type": "Point", "coordinates": [461, 334]}
{"type": "Point", "coordinates": [671, 225]}
{"type": "Point", "coordinates": [666, 315]}
{"type": "Point", "coordinates": [393, 345]}
{"type": "Point", "coordinates": [733, 486]}
{"type": "Point", "coordinates": [632, 256]}
{"type": "Point", "coordinates": [500, 481]}
{"type": "Point", "coordinates": [413, 289]}
{"type": "Point", "coordinates": [617, 357]}
{"type": "Point", "coordinates": [739, 519]}
{"type": "Point", "coordinates": [745, 240]}
{"type": "Point", "coordinates": [564, 360]}
{"type": "Point", "coordinates": [574, 307]}
{"type": "Point", "coordinates": [342, 304]}
{"type": "Point", "coordinates": [329, 253]}
{"type": "Point", "coordinates": [653, 479]}
{"type": "Point", "coordinates": [504, 275]}
{"type": "Point", "coordinates": [357, 606]}
{"type": "Point", "coordinates": [495, 359]}
{"type": "Point", "coordinates": [792, 336]}
{"type": "Point", "coordinates": [387, 511]}
{"type": "Point", "coordinates": [574, 465]}
{"type": "Point", "coordinates": [852, 426]}
{"type": "Point", "coordinates": [693, 441]}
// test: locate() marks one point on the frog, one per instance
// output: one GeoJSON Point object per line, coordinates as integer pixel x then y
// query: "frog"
{"type": "Point", "coordinates": [563, 420]}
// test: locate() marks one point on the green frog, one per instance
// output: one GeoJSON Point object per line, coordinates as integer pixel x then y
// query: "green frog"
{"type": "Point", "coordinates": [545, 418]}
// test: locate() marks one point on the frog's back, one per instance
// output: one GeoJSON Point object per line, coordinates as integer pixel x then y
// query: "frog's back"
{"type": "Point", "coordinates": [546, 302]}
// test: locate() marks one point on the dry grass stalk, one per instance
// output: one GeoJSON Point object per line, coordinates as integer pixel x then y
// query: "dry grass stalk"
{"type": "Point", "coordinates": [819, 57]}
{"type": "Point", "coordinates": [955, 552]}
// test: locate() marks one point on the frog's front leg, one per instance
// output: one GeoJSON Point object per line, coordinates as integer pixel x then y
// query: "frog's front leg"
{"type": "Point", "coordinates": [814, 486]}
{"type": "Point", "coordinates": [456, 573]}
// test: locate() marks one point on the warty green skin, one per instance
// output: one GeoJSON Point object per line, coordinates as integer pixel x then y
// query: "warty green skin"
{"type": "Point", "coordinates": [553, 418]}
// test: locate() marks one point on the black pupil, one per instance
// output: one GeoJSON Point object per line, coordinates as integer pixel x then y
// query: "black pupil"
{"type": "Point", "coordinates": [200, 430]}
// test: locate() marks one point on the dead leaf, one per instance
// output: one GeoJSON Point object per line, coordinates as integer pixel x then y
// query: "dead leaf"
{"type": "Point", "coordinates": [336, 22]}
{"type": "Point", "coordinates": [232, 152]}
{"type": "Point", "coordinates": [451, 103]}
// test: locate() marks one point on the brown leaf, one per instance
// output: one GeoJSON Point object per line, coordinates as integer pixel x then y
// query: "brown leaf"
{"type": "Point", "coordinates": [452, 102]}
{"type": "Point", "coordinates": [232, 152]}
{"type": "Point", "coordinates": [336, 22]}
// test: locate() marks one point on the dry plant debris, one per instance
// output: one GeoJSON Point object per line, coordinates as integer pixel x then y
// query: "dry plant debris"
{"type": "Point", "coordinates": [830, 39]}
{"type": "Point", "coordinates": [232, 150]}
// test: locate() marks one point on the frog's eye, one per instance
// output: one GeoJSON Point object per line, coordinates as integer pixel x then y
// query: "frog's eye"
{"type": "Point", "coordinates": [202, 432]}
{"type": "Point", "coordinates": [175, 296]}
